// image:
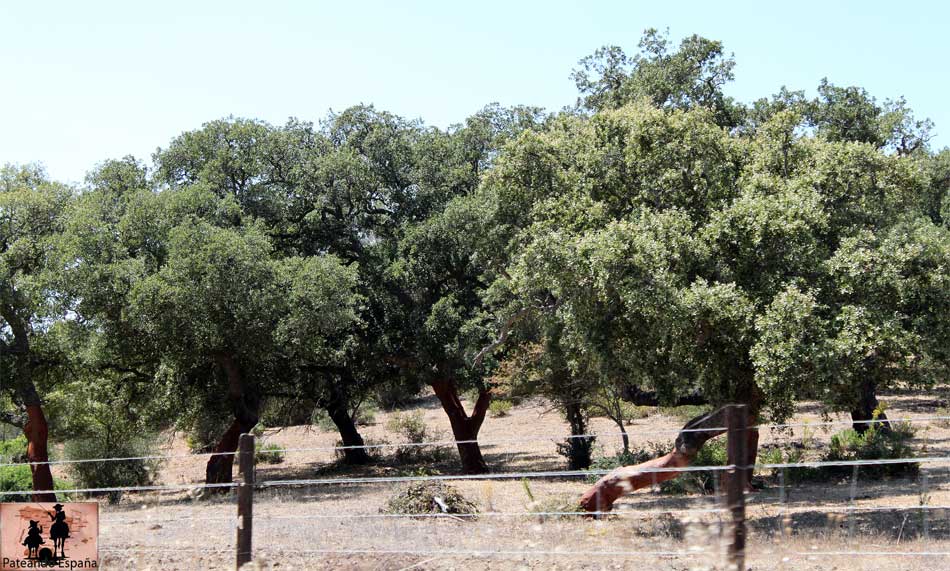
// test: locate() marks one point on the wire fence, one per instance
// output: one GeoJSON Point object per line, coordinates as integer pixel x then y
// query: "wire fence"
{"type": "Point", "coordinates": [349, 528]}
{"type": "Point", "coordinates": [495, 441]}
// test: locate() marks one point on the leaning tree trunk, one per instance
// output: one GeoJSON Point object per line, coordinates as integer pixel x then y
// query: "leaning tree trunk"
{"type": "Point", "coordinates": [245, 406]}
{"type": "Point", "coordinates": [464, 427]}
{"type": "Point", "coordinates": [864, 409]}
{"type": "Point", "coordinates": [611, 487]}
{"type": "Point", "coordinates": [337, 407]}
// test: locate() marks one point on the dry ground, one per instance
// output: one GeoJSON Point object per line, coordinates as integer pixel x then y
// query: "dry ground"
{"type": "Point", "coordinates": [338, 526]}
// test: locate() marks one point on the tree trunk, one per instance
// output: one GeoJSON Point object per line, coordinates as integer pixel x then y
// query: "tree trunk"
{"type": "Point", "coordinates": [220, 468]}
{"type": "Point", "coordinates": [36, 431]}
{"type": "Point", "coordinates": [245, 406]}
{"type": "Point", "coordinates": [624, 436]}
{"type": "Point", "coordinates": [336, 406]}
{"type": "Point", "coordinates": [35, 428]}
{"type": "Point", "coordinates": [578, 449]}
{"type": "Point", "coordinates": [863, 410]}
{"type": "Point", "coordinates": [464, 427]}
{"type": "Point", "coordinates": [611, 487]}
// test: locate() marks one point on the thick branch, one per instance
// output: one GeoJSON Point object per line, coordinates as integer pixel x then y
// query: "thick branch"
{"type": "Point", "coordinates": [502, 336]}
{"type": "Point", "coordinates": [17, 420]}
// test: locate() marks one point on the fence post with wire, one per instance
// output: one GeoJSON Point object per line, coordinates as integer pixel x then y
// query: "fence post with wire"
{"type": "Point", "coordinates": [347, 525]}
{"type": "Point", "coordinates": [245, 501]}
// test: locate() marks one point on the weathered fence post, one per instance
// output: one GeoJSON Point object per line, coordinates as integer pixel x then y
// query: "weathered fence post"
{"type": "Point", "coordinates": [737, 424]}
{"type": "Point", "coordinates": [245, 530]}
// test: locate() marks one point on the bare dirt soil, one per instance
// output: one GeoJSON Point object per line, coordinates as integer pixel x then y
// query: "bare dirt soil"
{"type": "Point", "coordinates": [335, 525]}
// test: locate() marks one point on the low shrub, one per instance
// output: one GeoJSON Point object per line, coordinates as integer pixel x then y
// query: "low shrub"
{"type": "Point", "coordinates": [875, 443]}
{"type": "Point", "coordinates": [577, 451]}
{"type": "Point", "coordinates": [777, 455]}
{"type": "Point", "coordinates": [713, 453]}
{"type": "Point", "coordinates": [397, 393]}
{"type": "Point", "coordinates": [412, 428]}
{"type": "Point", "coordinates": [20, 479]}
{"type": "Point", "coordinates": [114, 474]}
{"type": "Point", "coordinates": [499, 408]}
{"type": "Point", "coordinates": [13, 451]}
{"type": "Point", "coordinates": [429, 497]}
{"type": "Point", "coordinates": [268, 453]}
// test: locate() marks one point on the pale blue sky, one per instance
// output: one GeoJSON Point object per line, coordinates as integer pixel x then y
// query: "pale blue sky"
{"type": "Point", "coordinates": [87, 81]}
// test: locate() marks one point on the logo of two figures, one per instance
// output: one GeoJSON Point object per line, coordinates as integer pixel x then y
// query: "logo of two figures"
{"type": "Point", "coordinates": [58, 532]}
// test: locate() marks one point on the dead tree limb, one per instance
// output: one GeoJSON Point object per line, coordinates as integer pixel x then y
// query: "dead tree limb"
{"type": "Point", "coordinates": [692, 437]}
{"type": "Point", "coordinates": [502, 336]}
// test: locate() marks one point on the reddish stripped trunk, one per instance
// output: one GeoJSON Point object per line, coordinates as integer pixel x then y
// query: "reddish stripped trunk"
{"type": "Point", "coordinates": [35, 428]}
{"type": "Point", "coordinates": [464, 427]}
{"type": "Point", "coordinates": [220, 465]}
{"type": "Point", "coordinates": [602, 495]}
{"type": "Point", "coordinates": [36, 431]}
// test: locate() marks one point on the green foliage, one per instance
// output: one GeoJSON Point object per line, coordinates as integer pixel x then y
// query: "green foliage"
{"type": "Point", "coordinates": [692, 76]}
{"type": "Point", "coordinates": [124, 473]}
{"type": "Point", "coordinates": [429, 497]}
{"type": "Point", "coordinates": [411, 427]}
{"type": "Point", "coordinates": [321, 419]}
{"type": "Point", "coordinates": [203, 428]}
{"type": "Point", "coordinates": [662, 235]}
{"type": "Point", "coordinates": [13, 451]}
{"type": "Point", "coordinates": [20, 479]}
{"type": "Point", "coordinates": [268, 453]}
{"type": "Point", "coordinates": [279, 412]}
{"type": "Point", "coordinates": [499, 407]}
{"type": "Point", "coordinates": [107, 419]}
{"type": "Point", "coordinates": [577, 451]}
{"type": "Point", "coordinates": [118, 439]}
{"type": "Point", "coordinates": [779, 455]}
{"type": "Point", "coordinates": [874, 444]}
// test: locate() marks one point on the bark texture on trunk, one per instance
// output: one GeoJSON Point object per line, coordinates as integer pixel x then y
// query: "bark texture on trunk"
{"type": "Point", "coordinates": [35, 428]}
{"type": "Point", "coordinates": [602, 495]}
{"type": "Point", "coordinates": [578, 449]}
{"type": "Point", "coordinates": [863, 410]}
{"type": "Point", "coordinates": [626, 479]}
{"type": "Point", "coordinates": [37, 436]}
{"type": "Point", "coordinates": [337, 407]}
{"type": "Point", "coordinates": [219, 469]}
{"type": "Point", "coordinates": [464, 427]}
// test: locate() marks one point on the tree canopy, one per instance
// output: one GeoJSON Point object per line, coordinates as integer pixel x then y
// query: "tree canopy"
{"type": "Point", "coordinates": [657, 237]}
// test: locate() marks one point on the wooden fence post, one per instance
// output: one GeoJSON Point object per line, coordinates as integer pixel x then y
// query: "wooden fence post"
{"type": "Point", "coordinates": [245, 500]}
{"type": "Point", "coordinates": [737, 424]}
